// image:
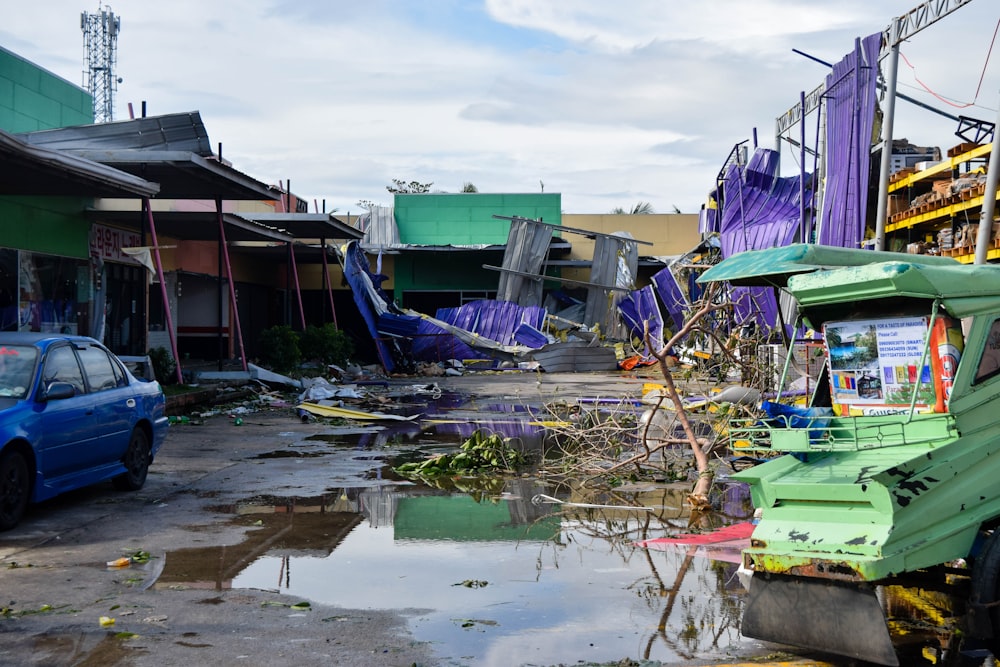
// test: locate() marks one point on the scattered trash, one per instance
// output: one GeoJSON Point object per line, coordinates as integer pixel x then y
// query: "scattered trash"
{"type": "Point", "coordinates": [125, 561]}
{"type": "Point", "coordinates": [540, 498]}
{"type": "Point", "coordinates": [106, 621]}
{"type": "Point", "coordinates": [298, 605]}
{"type": "Point", "coordinates": [346, 413]}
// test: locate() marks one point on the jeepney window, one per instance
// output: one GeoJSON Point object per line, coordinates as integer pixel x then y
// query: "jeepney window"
{"type": "Point", "coordinates": [989, 363]}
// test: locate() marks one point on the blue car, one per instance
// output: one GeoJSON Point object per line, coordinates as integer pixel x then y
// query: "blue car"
{"type": "Point", "coordinates": [71, 415]}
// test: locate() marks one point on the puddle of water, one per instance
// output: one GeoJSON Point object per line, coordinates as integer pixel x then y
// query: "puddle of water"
{"type": "Point", "coordinates": [490, 575]}
{"type": "Point", "coordinates": [65, 649]}
{"type": "Point", "coordinates": [496, 581]}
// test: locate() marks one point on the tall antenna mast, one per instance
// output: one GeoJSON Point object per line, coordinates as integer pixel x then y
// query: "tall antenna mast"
{"type": "Point", "coordinates": [100, 55]}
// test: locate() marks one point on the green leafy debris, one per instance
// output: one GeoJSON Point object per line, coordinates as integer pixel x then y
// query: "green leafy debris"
{"type": "Point", "coordinates": [482, 453]}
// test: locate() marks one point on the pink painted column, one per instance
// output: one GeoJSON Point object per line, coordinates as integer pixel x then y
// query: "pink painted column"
{"type": "Point", "coordinates": [233, 310]}
{"type": "Point", "coordinates": [163, 290]}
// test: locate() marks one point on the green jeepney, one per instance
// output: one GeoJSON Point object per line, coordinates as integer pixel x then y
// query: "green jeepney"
{"type": "Point", "coordinates": [892, 471]}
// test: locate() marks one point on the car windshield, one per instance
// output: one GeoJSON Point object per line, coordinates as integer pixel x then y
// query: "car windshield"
{"type": "Point", "coordinates": [16, 365]}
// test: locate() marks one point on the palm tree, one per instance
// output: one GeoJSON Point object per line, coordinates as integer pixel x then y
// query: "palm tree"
{"type": "Point", "coordinates": [641, 208]}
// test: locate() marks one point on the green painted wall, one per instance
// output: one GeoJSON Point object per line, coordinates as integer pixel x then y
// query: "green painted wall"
{"type": "Point", "coordinates": [452, 270]}
{"type": "Point", "coordinates": [32, 98]}
{"type": "Point", "coordinates": [53, 225]}
{"type": "Point", "coordinates": [467, 218]}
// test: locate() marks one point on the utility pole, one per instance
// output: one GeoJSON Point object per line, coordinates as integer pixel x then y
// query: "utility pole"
{"type": "Point", "coordinates": [901, 29]}
{"type": "Point", "coordinates": [100, 55]}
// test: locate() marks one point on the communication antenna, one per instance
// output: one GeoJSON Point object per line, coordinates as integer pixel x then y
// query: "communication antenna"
{"type": "Point", "coordinates": [100, 54]}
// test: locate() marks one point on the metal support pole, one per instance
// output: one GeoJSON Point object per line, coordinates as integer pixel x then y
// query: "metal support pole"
{"type": "Point", "coordinates": [328, 283]}
{"type": "Point", "coordinates": [234, 311]}
{"type": "Point", "coordinates": [163, 290]}
{"type": "Point", "coordinates": [861, 149]}
{"type": "Point", "coordinates": [298, 289]}
{"type": "Point", "coordinates": [887, 122]}
{"type": "Point", "coordinates": [803, 228]}
{"type": "Point", "coordinates": [989, 198]}
{"type": "Point", "coordinates": [220, 314]}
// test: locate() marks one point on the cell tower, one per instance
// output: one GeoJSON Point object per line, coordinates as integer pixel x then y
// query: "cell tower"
{"type": "Point", "coordinates": [100, 54]}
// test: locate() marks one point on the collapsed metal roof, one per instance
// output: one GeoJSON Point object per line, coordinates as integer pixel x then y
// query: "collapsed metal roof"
{"type": "Point", "coordinates": [172, 150]}
{"type": "Point", "coordinates": [40, 171]}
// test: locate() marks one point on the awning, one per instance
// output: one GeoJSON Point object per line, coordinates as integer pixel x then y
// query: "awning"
{"type": "Point", "coordinates": [773, 266]}
{"type": "Point", "coordinates": [307, 225]}
{"type": "Point", "coordinates": [193, 225]}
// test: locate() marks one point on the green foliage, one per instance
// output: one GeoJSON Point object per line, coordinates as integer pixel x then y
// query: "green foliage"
{"type": "Point", "coordinates": [641, 208]}
{"type": "Point", "coordinates": [280, 348]}
{"type": "Point", "coordinates": [163, 365]}
{"type": "Point", "coordinates": [325, 344]}
{"type": "Point", "coordinates": [399, 186]}
{"type": "Point", "coordinates": [482, 453]}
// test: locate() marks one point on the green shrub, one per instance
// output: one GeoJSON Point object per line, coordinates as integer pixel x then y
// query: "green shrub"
{"type": "Point", "coordinates": [279, 349]}
{"type": "Point", "coordinates": [325, 344]}
{"type": "Point", "coordinates": [163, 365]}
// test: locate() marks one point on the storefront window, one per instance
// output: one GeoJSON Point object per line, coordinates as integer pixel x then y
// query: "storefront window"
{"type": "Point", "coordinates": [8, 289]}
{"type": "Point", "coordinates": [53, 293]}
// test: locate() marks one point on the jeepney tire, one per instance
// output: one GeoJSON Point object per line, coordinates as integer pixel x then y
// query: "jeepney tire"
{"type": "Point", "coordinates": [985, 592]}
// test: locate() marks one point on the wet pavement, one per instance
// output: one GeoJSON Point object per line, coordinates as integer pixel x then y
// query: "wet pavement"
{"type": "Point", "coordinates": [283, 541]}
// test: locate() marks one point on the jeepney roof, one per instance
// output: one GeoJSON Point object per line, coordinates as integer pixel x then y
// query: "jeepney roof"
{"type": "Point", "coordinates": [774, 266]}
{"type": "Point", "coordinates": [963, 289]}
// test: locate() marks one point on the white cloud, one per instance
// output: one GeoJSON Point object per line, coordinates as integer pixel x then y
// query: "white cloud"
{"type": "Point", "coordinates": [609, 104]}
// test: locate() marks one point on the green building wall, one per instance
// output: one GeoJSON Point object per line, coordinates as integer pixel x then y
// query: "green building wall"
{"type": "Point", "coordinates": [460, 219]}
{"type": "Point", "coordinates": [32, 98]}
{"type": "Point", "coordinates": [467, 218]}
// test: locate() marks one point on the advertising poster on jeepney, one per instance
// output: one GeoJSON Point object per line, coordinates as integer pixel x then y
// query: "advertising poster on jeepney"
{"type": "Point", "coordinates": [875, 364]}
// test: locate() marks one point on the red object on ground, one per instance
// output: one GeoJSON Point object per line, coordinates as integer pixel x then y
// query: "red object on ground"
{"type": "Point", "coordinates": [732, 533]}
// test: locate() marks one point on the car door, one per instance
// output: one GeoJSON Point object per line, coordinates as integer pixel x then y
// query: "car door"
{"type": "Point", "coordinates": [68, 425]}
{"type": "Point", "coordinates": [114, 403]}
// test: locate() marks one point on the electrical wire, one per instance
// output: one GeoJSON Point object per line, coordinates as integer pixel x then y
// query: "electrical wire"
{"type": "Point", "coordinates": [979, 86]}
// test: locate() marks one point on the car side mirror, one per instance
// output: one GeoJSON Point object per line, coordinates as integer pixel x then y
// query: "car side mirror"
{"type": "Point", "coordinates": [57, 391]}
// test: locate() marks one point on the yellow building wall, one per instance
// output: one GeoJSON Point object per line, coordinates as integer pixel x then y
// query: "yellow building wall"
{"type": "Point", "coordinates": [670, 233]}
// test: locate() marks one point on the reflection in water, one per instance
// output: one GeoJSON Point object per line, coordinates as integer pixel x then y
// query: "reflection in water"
{"type": "Point", "coordinates": [498, 581]}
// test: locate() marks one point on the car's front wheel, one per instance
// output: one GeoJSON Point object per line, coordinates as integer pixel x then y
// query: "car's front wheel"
{"type": "Point", "coordinates": [136, 462]}
{"type": "Point", "coordinates": [15, 488]}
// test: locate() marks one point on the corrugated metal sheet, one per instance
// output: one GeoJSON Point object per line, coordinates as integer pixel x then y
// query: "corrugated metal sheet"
{"type": "Point", "coordinates": [493, 320]}
{"type": "Point", "coordinates": [850, 109]}
{"type": "Point", "coordinates": [639, 310]}
{"type": "Point", "coordinates": [172, 132]}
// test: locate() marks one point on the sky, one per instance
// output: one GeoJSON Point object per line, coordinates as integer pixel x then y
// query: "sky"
{"type": "Point", "coordinates": [607, 103]}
